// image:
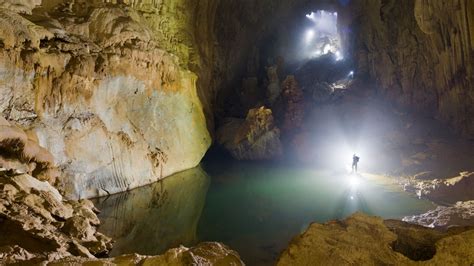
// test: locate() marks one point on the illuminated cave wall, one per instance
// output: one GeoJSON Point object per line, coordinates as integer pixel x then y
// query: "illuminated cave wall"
{"type": "Point", "coordinates": [420, 52]}
{"type": "Point", "coordinates": [112, 90]}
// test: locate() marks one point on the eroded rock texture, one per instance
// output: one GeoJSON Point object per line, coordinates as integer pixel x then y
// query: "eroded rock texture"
{"type": "Point", "coordinates": [362, 239]}
{"type": "Point", "coordinates": [207, 253]}
{"type": "Point", "coordinates": [255, 138]}
{"type": "Point", "coordinates": [36, 224]}
{"type": "Point", "coordinates": [109, 89]}
{"type": "Point", "coordinates": [420, 52]}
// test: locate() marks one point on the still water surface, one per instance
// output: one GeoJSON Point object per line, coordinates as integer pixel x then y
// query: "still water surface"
{"type": "Point", "coordinates": [256, 209]}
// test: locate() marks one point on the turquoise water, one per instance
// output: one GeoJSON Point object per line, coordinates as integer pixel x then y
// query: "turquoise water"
{"type": "Point", "coordinates": [256, 209]}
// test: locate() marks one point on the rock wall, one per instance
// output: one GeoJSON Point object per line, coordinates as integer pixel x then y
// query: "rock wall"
{"type": "Point", "coordinates": [109, 89]}
{"type": "Point", "coordinates": [420, 52]}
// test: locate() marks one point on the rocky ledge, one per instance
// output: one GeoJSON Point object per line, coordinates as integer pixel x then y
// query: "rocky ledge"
{"type": "Point", "coordinates": [367, 240]}
{"type": "Point", "coordinates": [450, 190]}
{"type": "Point", "coordinates": [36, 224]}
{"type": "Point", "coordinates": [207, 253]}
{"type": "Point", "coordinates": [459, 214]}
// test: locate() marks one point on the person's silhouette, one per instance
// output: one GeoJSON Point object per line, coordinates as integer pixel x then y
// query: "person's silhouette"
{"type": "Point", "coordinates": [355, 161]}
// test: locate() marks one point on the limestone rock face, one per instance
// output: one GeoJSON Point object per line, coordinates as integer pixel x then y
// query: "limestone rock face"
{"type": "Point", "coordinates": [109, 91]}
{"type": "Point", "coordinates": [420, 52]}
{"type": "Point", "coordinates": [361, 239]}
{"type": "Point", "coordinates": [20, 153]}
{"type": "Point", "coordinates": [255, 138]}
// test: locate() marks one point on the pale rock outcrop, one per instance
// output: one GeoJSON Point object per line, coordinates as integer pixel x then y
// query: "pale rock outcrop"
{"type": "Point", "coordinates": [21, 153]}
{"type": "Point", "coordinates": [20, 6]}
{"type": "Point", "coordinates": [99, 86]}
{"type": "Point", "coordinates": [207, 253]}
{"type": "Point", "coordinates": [459, 214]}
{"type": "Point", "coordinates": [255, 138]}
{"type": "Point", "coordinates": [36, 224]}
{"type": "Point", "coordinates": [449, 190]}
{"type": "Point", "coordinates": [362, 239]}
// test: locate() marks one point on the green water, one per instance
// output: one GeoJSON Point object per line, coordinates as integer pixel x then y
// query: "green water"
{"type": "Point", "coordinates": [256, 209]}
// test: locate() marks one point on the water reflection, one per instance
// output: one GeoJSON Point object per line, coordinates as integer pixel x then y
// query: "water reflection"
{"type": "Point", "coordinates": [257, 209]}
{"type": "Point", "coordinates": [152, 219]}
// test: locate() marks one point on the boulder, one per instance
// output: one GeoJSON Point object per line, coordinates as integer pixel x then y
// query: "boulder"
{"type": "Point", "coordinates": [255, 138]}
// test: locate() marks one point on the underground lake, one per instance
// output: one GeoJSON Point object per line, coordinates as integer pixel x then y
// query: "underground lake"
{"type": "Point", "coordinates": [254, 208]}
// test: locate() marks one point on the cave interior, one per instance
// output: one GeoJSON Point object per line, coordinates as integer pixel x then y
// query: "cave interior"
{"type": "Point", "coordinates": [233, 132]}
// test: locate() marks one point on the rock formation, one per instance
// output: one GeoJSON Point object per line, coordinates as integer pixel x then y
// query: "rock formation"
{"type": "Point", "coordinates": [106, 90]}
{"type": "Point", "coordinates": [450, 190]}
{"type": "Point", "coordinates": [21, 153]}
{"type": "Point", "coordinates": [362, 239]}
{"type": "Point", "coordinates": [207, 253]}
{"type": "Point", "coordinates": [273, 88]}
{"type": "Point", "coordinates": [254, 138]}
{"type": "Point", "coordinates": [294, 105]}
{"type": "Point", "coordinates": [460, 214]}
{"type": "Point", "coordinates": [36, 224]}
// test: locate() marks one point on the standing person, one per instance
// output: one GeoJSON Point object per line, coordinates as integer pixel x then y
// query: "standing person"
{"type": "Point", "coordinates": [355, 161]}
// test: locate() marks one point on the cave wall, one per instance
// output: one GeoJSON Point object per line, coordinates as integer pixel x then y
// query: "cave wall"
{"type": "Point", "coordinates": [420, 53]}
{"type": "Point", "coordinates": [111, 89]}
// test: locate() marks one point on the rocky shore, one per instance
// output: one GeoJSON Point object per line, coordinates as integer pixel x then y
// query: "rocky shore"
{"type": "Point", "coordinates": [366, 240]}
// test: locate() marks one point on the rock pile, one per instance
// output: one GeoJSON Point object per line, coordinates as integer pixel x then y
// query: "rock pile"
{"type": "Point", "coordinates": [36, 224]}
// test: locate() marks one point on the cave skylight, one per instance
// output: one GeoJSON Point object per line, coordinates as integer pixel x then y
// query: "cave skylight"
{"type": "Point", "coordinates": [321, 36]}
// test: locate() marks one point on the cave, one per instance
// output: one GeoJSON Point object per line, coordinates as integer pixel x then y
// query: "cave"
{"type": "Point", "coordinates": [237, 132]}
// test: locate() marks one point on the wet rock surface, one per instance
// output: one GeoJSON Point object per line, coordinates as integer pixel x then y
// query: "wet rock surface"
{"type": "Point", "coordinates": [459, 214]}
{"type": "Point", "coordinates": [362, 239]}
{"type": "Point", "coordinates": [255, 138]}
